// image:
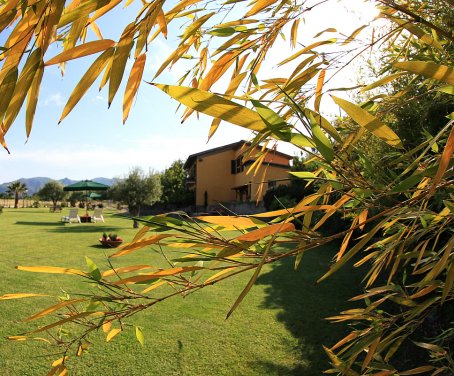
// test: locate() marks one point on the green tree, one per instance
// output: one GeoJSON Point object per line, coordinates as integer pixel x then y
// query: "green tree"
{"type": "Point", "coordinates": [137, 189]}
{"type": "Point", "coordinates": [174, 187]}
{"type": "Point", "coordinates": [52, 191]}
{"type": "Point", "coordinates": [397, 232]}
{"type": "Point", "coordinates": [16, 189]}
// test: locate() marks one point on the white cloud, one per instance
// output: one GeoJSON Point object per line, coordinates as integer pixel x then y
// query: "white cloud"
{"type": "Point", "coordinates": [56, 100]}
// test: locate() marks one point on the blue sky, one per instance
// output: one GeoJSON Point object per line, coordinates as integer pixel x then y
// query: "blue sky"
{"type": "Point", "coordinates": [92, 141]}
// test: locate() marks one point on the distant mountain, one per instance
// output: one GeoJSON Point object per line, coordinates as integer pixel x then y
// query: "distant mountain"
{"type": "Point", "coordinates": [35, 184]}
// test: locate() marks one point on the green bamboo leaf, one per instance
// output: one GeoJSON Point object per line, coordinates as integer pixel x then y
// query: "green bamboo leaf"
{"type": "Point", "coordinates": [7, 89]}
{"type": "Point", "coordinates": [428, 69]}
{"type": "Point", "coordinates": [323, 145]}
{"type": "Point", "coordinates": [369, 122]}
{"type": "Point", "coordinates": [83, 9]}
{"type": "Point", "coordinates": [448, 89]}
{"type": "Point", "coordinates": [383, 81]}
{"type": "Point", "coordinates": [93, 270]}
{"type": "Point", "coordinates": [304, 175]}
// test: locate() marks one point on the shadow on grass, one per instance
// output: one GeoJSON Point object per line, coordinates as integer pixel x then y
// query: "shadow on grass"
{"type": "Point", "coordinates": [77, 229]}
{"type": "Point", "coordinates": [304, 305]}
{"type": "Point", "coordinates": [33, 223]}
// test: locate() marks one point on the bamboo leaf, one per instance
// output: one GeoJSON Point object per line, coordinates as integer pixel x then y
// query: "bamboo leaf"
{"type": "Point", "coordinates": [369, 122]}
{"type": "Point", "coordinates": [417, 370]}
{"type": "Point", "coordinates": [259, 6]}
{"type": "Point", "coordinates": [444, 161]}
{"type": "Point", "coordinates": [125, 269]}
{"type": "Point", "coordinates": [232, 222]}
{"type": "Point", "coordinates": [133, 246]}
{"type": "Point", "coordinates": [307, 49]}
{"type": "Point", "coordinates": [383, 81]}
{"type": "Point", "coordinates": [71, 14]}
{"type": "Point", "coordinates": [20, 296]}
{"type": "Point", "coordinates": [139, 335]}
{"type": "Point", "coordinates": [318, 90]}
{"type": "Point", "coordinates": [93, 270]}
{"type": "Point", "coordinates": [428, 69]}
{"type": "Point", "coordinates": [53, 308]}
{"type": "Point", "coordinates": [32, 99]}
{"type": "Point", "coordinates": [215, 106]}
{"type": "Point", "coordinates": [51, 270]}
{"type": "Point", "coordinates": [353, 35]}
{"type": "Point", "coordinates": [219, 274]}
{"type": "Point", "coordinates": [7, 89]}
{"type": "Point", "coordinates": [86, 81]}
{"type": "Point", "coordinates": [119, 60]}
{"type": "Point", "coordinates": [162, 273]}
{"type": "Point", "coordinates": [112, 334]}
{"type": "Point", "coordinates": [294, 32]}
{"type": "Point", "coordinates": [263, 232]}
{"type": "Point", "coordinates": [133, 84]}
{"type": "Point", "coordinates": [85, 49]}
{"type": "Point", "coordinates": [21, 89]}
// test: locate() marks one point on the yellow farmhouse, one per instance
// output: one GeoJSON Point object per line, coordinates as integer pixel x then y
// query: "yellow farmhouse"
{"type": "Point", "coordinates": [219, 175]}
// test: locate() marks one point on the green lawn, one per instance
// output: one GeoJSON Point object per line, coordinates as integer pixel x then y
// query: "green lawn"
{"type": "Point", "coordinates": [278, 330]}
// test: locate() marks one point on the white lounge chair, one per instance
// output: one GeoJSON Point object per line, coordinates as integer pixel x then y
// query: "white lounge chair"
{"type": "Point", "coordinates": [97, 215]}
{"type": "Point", "coordinates": [72, 216]}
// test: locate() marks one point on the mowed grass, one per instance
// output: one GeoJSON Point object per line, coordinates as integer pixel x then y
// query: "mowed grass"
{"type": "Point", "coordinates": [279, 329]}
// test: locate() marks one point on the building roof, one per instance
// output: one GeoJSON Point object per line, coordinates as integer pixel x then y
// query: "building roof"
{"type": "Point", "coordinates": [233, 146]}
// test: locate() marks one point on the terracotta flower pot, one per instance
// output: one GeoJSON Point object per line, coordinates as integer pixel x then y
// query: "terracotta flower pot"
{"type": "Point", "coordinates": [110, 243]}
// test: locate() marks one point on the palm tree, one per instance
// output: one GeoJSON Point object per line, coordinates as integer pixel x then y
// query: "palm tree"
{"type": "Point", "coordinates": [16, 188]}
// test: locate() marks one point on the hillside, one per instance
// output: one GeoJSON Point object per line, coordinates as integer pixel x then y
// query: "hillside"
{"type": "Point", "coordinates": [35, 184]}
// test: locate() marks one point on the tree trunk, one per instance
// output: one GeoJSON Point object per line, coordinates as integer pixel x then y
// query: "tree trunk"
{"type": "Point", "coordinates": [16, 200]}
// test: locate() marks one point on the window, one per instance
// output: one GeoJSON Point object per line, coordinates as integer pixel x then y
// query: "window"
{"type": "Point", "coordinates": [236, 165]}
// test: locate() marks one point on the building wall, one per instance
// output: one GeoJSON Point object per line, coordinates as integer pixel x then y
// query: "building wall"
{"type": "Point", "coordinates": [213, 176]}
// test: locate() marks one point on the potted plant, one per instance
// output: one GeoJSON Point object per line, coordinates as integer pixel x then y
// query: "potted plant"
{"type": "Point", "coordinates": [111, 240]}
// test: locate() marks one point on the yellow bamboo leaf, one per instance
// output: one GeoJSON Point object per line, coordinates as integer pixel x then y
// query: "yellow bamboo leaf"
{"type": "Point", "coordinates": [7, 89]}
{"type": "Point", "coordinates": [85, 49]}
{"type": "Point", "coordinates": [258, 6]}
{"type": "Point", "coordinates": [369, 122]}
{"type": "Point", "coordinates": [53, 308]}
{"type": "Point", "coordinates": [60, 361]}
{"type": "Point", "coordinates": [125, 269]}
{"type": "Point", "coordinates": [307, 50]}
{"type": "Point", "coordinates": [71, 14]}
{"type": "Point", "coordinates": [449, 282]}
{"type": "Point", "coordinates": [294, 32]}
{"type": "Point", "coordinates": [219, 274]}
{"type": "Point", "coordinates": [318, 90]}
{"type": "Point", "coordinates": [112, 334]}
{"type": "Point", "coordinates": [161, 18]}
{"type": "Point", "coordinates": [19, 296]}
{"type": "Point", "coordinates": [362, 218]}
{"type": "Point", "coordinates": [51, 270]}
{"type": "Point", "coordinates": [94, 26]}
{"type": "Point", "coordinates": [353, 35]}
{"type": "Point", "coordinates": [153, 286]}
{"type": "Point", "coordinates": [133, 84]}
{"type": "Point", "coordinates": [415, 30]}
{"type": "Point", "coordinates": [21, 89]}
{"type": "Point", "coordinates": [2, 139]}
{"type": "Point", "coordinates": [70, 318]}
{"type": "Point", "coordinates": [119, 60]}
{"type": "Point", "coordinates": [231, 222]}
{"type": "Point", "coordinates": [140, 233]}
{"type": "Point", "coordinates": [32, 99]}
{"type": "Point", "coordinates": [106, 326]}
{"type": "Point", "coordinates": [322, 123]}
{"type": "Point", "coordinates": [158, 274]}
{"type": "Point", "coordinates": [370, 353]}
{"type": "Point", "coordinates": [133, 246]}
{"type": "Point", "coordinates": [235, 23]}
{"type": "Point", "coordinates": [263, 232]}
{"type": "Point", "coordinates": [383, 81]}
{"type": "Point", "coordinates": [86, 81]}
{"type": "Point", "coordinates": [215, 106]}
{"type": "Point", "coordinates": [195, 26]}
{"type": "Point", "coordinates": [218, 69]}
{"type": "Point", "coordinates": [106, 75]}
{"type": "Point", "coordinates": [444, 161]}
{"type": "Point", "coordinates": [105, 9]}
{"type": "Point", "coordinates": [417, 370]}
{"type": "Point", "coordinates": [428, 69]}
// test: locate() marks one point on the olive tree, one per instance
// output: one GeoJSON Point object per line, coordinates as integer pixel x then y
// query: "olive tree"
{"type": "Point", "coordinates": [136, 190]}
{"type": "Point", "coordinates": [52, 191]}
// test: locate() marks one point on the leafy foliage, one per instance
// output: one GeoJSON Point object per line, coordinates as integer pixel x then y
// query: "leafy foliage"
{"type": "Point", "coordinates": [137, 189]}
{"type": "Point", "coordinates": [400, 205]}
{"type": "Point", "coordinates": [52, 191]}
{"type": "Point", "coordinates": [174, 187]}
{"type": "Point", "coordinates": [16, 189]}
